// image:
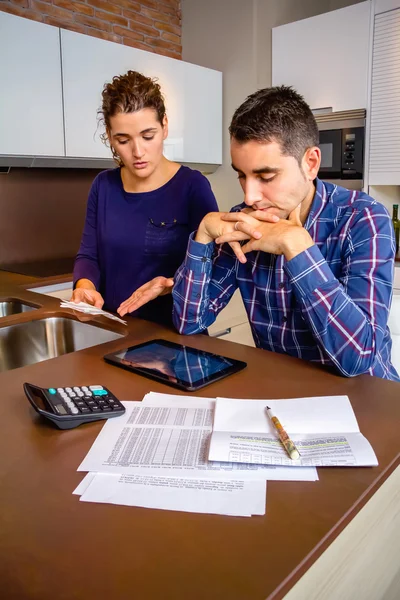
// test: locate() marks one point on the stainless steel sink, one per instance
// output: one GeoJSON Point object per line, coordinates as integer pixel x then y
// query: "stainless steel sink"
{"type": "Point", "coordinates": [28, 343]}
{"type": "Point", "coordinates": [13, 307]}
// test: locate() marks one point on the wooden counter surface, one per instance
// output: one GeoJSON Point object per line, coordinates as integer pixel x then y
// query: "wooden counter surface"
{"type": "Point", "coordinates": [54, 546]}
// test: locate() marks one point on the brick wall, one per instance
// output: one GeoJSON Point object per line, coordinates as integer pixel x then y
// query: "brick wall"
{"type": "Point", "coordinates": [152, 25]}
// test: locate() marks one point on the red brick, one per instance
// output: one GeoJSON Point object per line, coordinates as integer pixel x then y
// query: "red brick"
{"type": "Point", "coordinates": [111, 37]}
{"type": "Point", "coordinates": [127, 4]}
{"type": "Point", "coordinates": [149, 3]}
{"type": "Point", "coordinates": [21, 12]}
{"type": "Point", "coordinates": [128, 33]}
{"type": "Point", "coordinates": [169, 28]}
{"type": "Point", "coordinates": [137, 17]}
{"type": "Point", "coordinates": [106, 6]}
{"type": "Point", "coordinates": [23, 3]}
{"type": "Point", "coordinates": [169, 9]}
{"type": "Point", "coordinates": [134, 6]}
{"type": "Point", "coordinates": [93, 22]}
{"type": "Point", "coordinates": [65, 25]}
{"type": "Point", "coordinates": [77, 7]}
{"type": "Point", "coordinates": [171, 37]}
{"type": "Point", "coordinates": [53, 11]}
{"type": "Point", "coordinates": [166, 45]}
{"type": "Point", "coordinates": [136, 44]}
{"type": "Point", "coordinates": [145, 29]}
{"type": "Point", "coordinates": [114, 19]}
{"type": "Point", "coordinates": [170, 54]}
{"type": "Point", "coordinates": [159, 16]}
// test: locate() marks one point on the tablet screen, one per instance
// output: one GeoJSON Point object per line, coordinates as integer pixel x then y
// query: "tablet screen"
{"type": "Point", "coordinates": [180, 363]}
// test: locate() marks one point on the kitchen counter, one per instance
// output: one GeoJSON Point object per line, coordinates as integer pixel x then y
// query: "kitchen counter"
{"type": "Point", "coordinates": [53, 546]}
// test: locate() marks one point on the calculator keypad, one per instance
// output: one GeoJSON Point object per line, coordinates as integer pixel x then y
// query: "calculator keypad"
{"type": "Point", "coordinates": [84, 400]}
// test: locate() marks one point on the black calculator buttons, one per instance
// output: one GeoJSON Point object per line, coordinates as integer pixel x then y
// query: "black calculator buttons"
{"type": "Point", "coordinates": [69, 407]}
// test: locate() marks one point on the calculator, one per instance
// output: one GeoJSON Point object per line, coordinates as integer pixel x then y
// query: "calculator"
{"type": "Point", "coordinates": [68, 407]}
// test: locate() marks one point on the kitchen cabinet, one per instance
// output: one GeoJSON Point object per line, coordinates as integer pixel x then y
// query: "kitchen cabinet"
{"type": "Point", "coordinates": [31, 120]}
{"type": "Point", "coordinates": [325, 57]}
{"type": "Point", "coordinates": [51, 87]}
{"type": "Point", "coordinates": [384, 139]}
{"type": "Point", "coordinates": [193, 98]}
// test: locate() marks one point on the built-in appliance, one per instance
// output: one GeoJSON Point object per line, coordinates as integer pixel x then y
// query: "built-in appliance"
{"type": "Point", "coordinates": [341, 139]}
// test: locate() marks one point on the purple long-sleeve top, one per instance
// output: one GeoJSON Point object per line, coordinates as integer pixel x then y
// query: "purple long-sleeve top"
{"type": "Point", "coordinates": [130, 238]}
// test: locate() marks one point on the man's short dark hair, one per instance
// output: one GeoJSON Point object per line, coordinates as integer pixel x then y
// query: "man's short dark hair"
{"type": "Point", "coordinates": [276, 114]}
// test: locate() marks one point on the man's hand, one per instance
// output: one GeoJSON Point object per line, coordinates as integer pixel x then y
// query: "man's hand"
{"type": "Point", "coordinates": [159, 286]}
{"type": "Point", "coordinates": [285, 236]}
{"type": "Point", "coordinates": [223, 227]}
{"type": "Point", "coordinates": [86, 292]}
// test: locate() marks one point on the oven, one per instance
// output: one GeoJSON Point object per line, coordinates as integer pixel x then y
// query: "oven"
{"type": "Point", "coordinates": [341, 140]}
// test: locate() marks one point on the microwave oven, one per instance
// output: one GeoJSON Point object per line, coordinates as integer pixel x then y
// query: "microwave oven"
{"type": "Point", "coordinates": [341, 140]}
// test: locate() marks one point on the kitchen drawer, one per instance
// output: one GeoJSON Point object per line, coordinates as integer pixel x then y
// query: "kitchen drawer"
{"type": "Point", "coordinates": [241, 334]}
{"type": "Point", "coordinates": [59, 290]}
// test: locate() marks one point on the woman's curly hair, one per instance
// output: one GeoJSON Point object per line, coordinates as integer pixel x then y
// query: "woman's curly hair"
{"type": "Point", "coordinates": [129, 93]}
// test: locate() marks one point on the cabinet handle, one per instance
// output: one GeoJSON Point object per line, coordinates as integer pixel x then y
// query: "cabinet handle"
{"type": "Point", "coordinates": [221, 333]}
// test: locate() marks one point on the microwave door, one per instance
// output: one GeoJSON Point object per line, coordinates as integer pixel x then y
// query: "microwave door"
{"type": "Point", "coordinates": [330, 143]}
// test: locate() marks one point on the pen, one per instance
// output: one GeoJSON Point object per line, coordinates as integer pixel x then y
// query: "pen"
{"type": "Point", "coordinates": [283, 436]}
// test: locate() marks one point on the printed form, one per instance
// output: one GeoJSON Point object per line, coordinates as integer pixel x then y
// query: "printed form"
{"type": "Point", "coordinates": [324, 430]}
{"type": "Point", "coordinates": [226, 497]}
{"type": "Point", "coordinates": [172, 440]}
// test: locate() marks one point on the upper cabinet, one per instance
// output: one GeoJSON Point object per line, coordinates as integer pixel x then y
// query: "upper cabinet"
{"type": "Point", "coordinates": [193, 98]}
{"type": "Point", "coordinates": [384, 144]}
{"type": "Point", "coordinates": [50, 99]}
{"type": "Point", "coordinates": [31, 120]}
{"type": "Point", "coordinates": [325, 58]}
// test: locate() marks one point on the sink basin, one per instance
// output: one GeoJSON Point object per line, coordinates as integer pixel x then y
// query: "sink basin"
{"type": "Point", "coordinates": [28, 343]}
{"type": "Point", "coordinates": [13, 307]}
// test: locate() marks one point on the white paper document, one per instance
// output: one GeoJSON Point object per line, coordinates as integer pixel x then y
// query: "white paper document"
{"type": "Point", "coordinates": [224, 497]}
{"type": "Point", "coordinates": [90, 310]}
{"type": "Point", "coordinates": [172, 441]}
{"type": "Point", "coordinates": [324, 430]}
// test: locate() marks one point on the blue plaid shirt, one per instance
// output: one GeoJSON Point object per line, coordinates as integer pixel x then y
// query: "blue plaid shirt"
{"type": "Point", "coordinates": [329, 304]}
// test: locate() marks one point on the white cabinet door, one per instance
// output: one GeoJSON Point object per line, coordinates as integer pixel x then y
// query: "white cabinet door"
{"type": "Point", "coordinates": [202, 126]}
{"type": "Point", "coordinates": [384, 145]}
{"type": "Point", "coordinates": [88, 63]}
{"type": "Point", "coordinates": [325, 58]}
{"type": "Point", "coordinates": [31, 121]}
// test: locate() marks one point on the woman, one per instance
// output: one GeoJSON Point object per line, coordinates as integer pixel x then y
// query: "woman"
{"type": "Point", "coordinates": [139, 215]}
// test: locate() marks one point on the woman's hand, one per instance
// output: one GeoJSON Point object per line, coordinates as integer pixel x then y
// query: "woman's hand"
{"type": "Point", "coordinates": [159, 286]}
{"type": "Point", "coordinates": [86, 292]}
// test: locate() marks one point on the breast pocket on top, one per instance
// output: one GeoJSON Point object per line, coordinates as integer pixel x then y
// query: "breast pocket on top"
{"type": "Point", "coordinates": [163, 237]}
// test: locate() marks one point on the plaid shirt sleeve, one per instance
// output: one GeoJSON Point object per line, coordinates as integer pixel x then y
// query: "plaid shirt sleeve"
{"type": "Point", "coordinates": [204, 284]}
{"type": "Point", "coordinates": [348, 318]}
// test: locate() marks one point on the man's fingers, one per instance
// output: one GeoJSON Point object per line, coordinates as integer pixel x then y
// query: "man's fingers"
{"type": "Point", "coordinates": [295, 216]}
{"type": "Point", "coordinates": [249, 247]}
{"type": "Point", "coordinates": [233, 236]}
{"type": "Point", "coordinates": [265, 216]}
{"type": "Point", "coordinates": [237, 249]}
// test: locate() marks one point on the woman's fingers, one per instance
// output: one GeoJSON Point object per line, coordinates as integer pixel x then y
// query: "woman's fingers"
{"type": "Point", "coordinates": [147, 292]}
{"type": "Point", "coordinates": [89, 296]}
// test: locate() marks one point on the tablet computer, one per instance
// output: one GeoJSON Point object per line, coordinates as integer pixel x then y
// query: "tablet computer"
{"type": "Point", "coordinates": [182, 367]}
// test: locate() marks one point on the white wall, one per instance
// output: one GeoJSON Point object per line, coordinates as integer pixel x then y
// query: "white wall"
{"type": "Point", "coordinates": [234, 36]}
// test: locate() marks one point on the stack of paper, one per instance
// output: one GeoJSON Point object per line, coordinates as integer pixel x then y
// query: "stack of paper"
{"type": "Point", "coordinates": [155, 456]}
{"type": "Point", "coordinates": [324, 430]}
{"type": "Point", "coordinates": [90, 310]}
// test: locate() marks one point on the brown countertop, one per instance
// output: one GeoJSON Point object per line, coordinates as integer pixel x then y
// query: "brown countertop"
{"type": "Point", "coordinates": [53, 546]}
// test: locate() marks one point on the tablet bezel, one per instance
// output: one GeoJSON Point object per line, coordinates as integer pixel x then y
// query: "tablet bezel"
{"type": "Point", "coordinates": [237, 365]}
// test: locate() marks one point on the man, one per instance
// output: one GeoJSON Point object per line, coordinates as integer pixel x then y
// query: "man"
{"type": "Point", "coordinates": [313, 261]}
